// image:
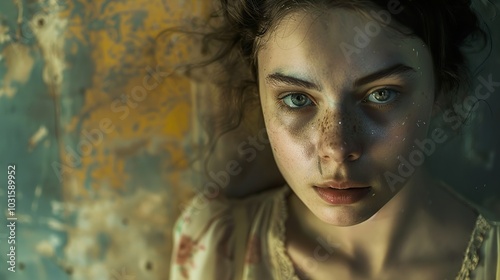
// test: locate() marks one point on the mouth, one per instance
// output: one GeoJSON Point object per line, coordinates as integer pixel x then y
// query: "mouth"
{"type": "Point", "coordinates": [342, 186]}
{"type": "Point", "coordinates": [342, 196]}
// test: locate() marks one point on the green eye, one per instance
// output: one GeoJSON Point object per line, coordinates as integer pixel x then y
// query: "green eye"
{"type": "Point", "coordinates": [382, 96]}
{"type": "Point", "coordinates": [296, 100]}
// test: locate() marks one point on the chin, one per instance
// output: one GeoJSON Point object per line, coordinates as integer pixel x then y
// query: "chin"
{"type": "Point", "coordinates": [344, 216]}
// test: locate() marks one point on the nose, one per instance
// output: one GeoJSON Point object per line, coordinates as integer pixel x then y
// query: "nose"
{"type": "Point", "coordinates": [338, 141]}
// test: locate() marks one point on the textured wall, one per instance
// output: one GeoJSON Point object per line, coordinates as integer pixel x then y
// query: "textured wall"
{"type": "Point", "coordinates": [101, 135]}
{"type": "Point", "coordinates": [470, 162]}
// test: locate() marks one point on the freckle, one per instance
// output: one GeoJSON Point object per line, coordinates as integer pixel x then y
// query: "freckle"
{"type": "Point", "coordinates": [149, 265]}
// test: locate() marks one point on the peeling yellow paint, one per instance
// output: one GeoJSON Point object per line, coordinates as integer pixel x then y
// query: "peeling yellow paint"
{"type": "Point", "coordinates": [56, 225]}
{"type": "Point", "coordinates": [48, 27]}
{"type": "Point", "coordinates": [128, 220]}
{"type": "Point", "coordinates": [99, 190]}
{"type": "Point", "coordinates": [4, 34]}
{"type": "Point", "coordinates": [39, 135]}
{"type": "Point", "coordinates": [45, 248]}
{"type": "Point", "coordinates": [19, 65]}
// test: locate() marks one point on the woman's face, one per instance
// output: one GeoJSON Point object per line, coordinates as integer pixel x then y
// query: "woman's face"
{"type": "Point", "coordinates": [343, 102]}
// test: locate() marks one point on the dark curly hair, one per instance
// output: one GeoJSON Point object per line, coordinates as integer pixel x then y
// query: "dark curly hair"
{"type": "Point", "coordinates": [237, 27]}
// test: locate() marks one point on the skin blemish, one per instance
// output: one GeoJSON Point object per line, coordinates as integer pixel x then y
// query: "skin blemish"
{"type": "Point", "coordinates": [149, 265]}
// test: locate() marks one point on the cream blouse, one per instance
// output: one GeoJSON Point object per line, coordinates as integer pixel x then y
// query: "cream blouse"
{"type": "Point", "coordinates": [244, 239]}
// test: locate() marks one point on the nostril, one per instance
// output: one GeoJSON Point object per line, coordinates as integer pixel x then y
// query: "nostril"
{"type": "Point", "coordinates": [350, 157]}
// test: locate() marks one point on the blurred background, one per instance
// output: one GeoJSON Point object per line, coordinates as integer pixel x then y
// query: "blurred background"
{"type": "Point", "coordinates": [103, 134]}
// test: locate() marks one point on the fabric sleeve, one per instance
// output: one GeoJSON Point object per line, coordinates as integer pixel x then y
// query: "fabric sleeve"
{"type": "Point", "coordinates": [492, 254]}
{"type": "Point", "coordinates": [487, 258]}
{"type": "Point", "coordinates": [203, 245]}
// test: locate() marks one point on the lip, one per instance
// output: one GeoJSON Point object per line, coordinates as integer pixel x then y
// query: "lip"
{"type": "Point", "coordinates": [342, 185]}
{"type": "Point", "coordinates": [342, 196]}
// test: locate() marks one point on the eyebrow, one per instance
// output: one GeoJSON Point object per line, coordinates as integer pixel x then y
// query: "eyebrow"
{"type": "Point", "coordinates": [398, 69]}
{"type": "Point", "coordinates": [278, 78]}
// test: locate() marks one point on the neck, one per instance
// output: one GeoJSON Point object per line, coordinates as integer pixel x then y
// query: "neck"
{"type": "Point", "coordinates": [385, 233]}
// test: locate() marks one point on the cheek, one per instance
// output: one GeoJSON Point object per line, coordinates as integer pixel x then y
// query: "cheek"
{"type": "Point", "coordinates": [288, 135]}
{"type": "Point", "coordinates": [292, 148]}
{"type": "Point", "coordinates": [398, 140]}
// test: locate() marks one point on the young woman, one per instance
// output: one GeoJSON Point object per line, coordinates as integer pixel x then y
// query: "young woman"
{"type": "Point", "coordinates": [347, 91]}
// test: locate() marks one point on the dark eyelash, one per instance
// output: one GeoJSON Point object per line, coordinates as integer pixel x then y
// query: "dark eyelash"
{"type": "Point", "coordinates": [385, 105]}
{"type": "Point", "coordinates": [282, 104]}
{"type": "Point", "coordinates": [285, 107]}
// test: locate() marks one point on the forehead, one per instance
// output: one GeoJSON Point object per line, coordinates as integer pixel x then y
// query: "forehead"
{"type": "Point", "coordinates": [337, 43]}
